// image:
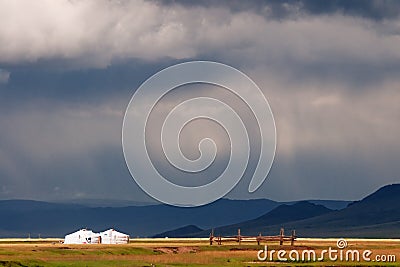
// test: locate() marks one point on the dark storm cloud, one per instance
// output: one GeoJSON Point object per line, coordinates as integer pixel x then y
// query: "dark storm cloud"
{"type": "Point", "coordinates": [381, 9]}
{"type": "Point", "coordinates": [42, 80]}
{"type": "Point", "coordinates": [330, 70]}
{"type": "Point", "coordinates": [277, 9]}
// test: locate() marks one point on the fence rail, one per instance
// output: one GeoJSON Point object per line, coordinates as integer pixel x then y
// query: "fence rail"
{"type": "Point", "coordinates": [260, 238]}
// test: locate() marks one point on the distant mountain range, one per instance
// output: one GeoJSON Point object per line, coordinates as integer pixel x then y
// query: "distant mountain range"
{"type": "Point", "coordinates": [276, 217]}
{"type": "Point", "coordinates": [377, 215]}
{"type": "Point", "coordinates": [188, 230]}
{"type": "Point", "coordinates": [22, 217]}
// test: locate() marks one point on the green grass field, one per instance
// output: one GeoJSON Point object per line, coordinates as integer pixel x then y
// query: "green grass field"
{"type": "Point", "coordinates": [176, 252]}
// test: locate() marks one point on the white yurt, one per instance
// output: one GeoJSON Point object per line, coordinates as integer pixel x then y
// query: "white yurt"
{"type": "Point", "coordinates": [112, 236]}
{"type": "Point", "coordinates": [82, 236]}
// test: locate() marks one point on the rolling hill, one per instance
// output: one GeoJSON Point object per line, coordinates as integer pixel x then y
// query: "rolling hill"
{"type": "Point", "coordinates": [22, 217]}
{"type": "Point", "coordinates": [377, 215]}
{"type": "Point", "coordinates": [184, 231]}
{"type": "Point", "coordinates": [278, 216]}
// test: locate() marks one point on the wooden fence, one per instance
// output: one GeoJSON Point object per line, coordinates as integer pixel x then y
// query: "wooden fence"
{"type": "Point", "coordinates": [260, 238]}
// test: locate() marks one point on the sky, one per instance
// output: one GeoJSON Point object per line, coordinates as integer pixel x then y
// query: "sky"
{"type": "Point", "coordinates": [329, 69]}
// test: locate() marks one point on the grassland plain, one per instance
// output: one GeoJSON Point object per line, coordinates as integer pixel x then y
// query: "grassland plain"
{"type": "Point", "coordinates": [180, 252]}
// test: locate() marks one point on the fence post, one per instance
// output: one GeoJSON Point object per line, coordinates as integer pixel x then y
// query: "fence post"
{"type": "Point", "coordinates": [258, 238]}
{"type": "Point", "coordinates": [239, 238]}
{"type": "Point", "coordinates": [293, 237]}
{"type": "Point", "coordinates": [211, 237]}
{"type": "Point", "coordinates": [281, 235]}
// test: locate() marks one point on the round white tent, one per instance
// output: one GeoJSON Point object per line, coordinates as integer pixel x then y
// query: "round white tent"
{"type": "Point", "coordinates": [82, 236]}
{"type": "Point", "coordinates": [112, 236]}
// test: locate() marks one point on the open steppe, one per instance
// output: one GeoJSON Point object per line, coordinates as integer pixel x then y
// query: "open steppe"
{"type": "Point", "coordinates": [181, 252]}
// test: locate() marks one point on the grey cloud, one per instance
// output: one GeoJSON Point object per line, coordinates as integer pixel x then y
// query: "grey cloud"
{"type": "Point", "coordinates": [99, 33]}
{"type": "Point", "coordinates": [276, 9]}
{"type": "Point", "coordinates": [42, 81]}
{"type": "Point", "coordinates": [98, 174]}
{"type": "Point", "coordinates": [378, 10]}
{"type": "Point", "coordinates": [4, 76]}
{"type": "Point", "coordinates": [45, 147]}
{"type": "Point", "coordinates": [330, 72]}
{"type": "Point", "coordinates": [334, 140]}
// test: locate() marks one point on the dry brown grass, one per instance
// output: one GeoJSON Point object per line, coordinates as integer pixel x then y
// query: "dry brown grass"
{"type": "Point", "coordinates": [171, 252]}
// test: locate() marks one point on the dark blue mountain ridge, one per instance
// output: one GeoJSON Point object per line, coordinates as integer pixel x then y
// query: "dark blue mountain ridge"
{"type": "Point", "coordinates": [21, 217]}
{"type": "Point", "coordinates": [375, 216]}
{"type": "Point", "coordinates": [277, 217]}
{"type": "Point", "coordinates": [183, 231]}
